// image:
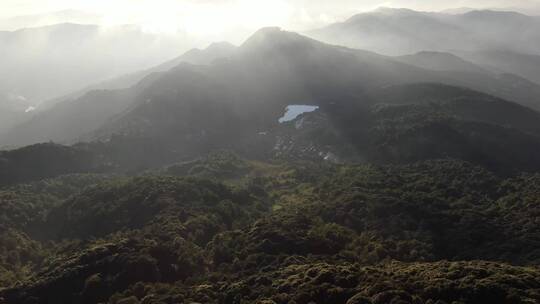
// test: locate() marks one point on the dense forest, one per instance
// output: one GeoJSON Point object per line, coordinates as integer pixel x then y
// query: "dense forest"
{"type": "Point", "coordinates": [222, 229]}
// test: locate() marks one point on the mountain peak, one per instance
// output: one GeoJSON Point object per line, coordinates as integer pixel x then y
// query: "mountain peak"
{"type": "Point", "coordinates": [268, 30]}
{"type": "Point", "coordinates": [263, 35]}
{"type": "Point", "coordinates": [220, 46]}
{"type": "Point", "coordinates": [395, 11]}
{"type": "Point", "coordinates": [275, 38]}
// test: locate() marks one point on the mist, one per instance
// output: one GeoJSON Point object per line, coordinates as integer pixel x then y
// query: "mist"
{"type": "Point", "coordinates": [269, 152]}
{"type": "Point", "coordinates": [40, 65]}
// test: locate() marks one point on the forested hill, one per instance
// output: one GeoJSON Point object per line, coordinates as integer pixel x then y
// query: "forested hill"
{"type": "Point", "coordinates": [396, 124]}
{"type": "Point", "coordinates": [222, 229]}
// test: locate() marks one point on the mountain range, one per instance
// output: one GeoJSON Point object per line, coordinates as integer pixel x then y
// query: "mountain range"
{"type": "Point", "coordinates": [403, 31]}
{"type": "Point", "coordinates": [405, 177]}
{"type": "Point", "coordinates": [499, 41]}
{"type": "Point", "coordinates": [273, 57]}
{"type": "Point", "coordinates": [44, 63]}
{"type": "Point", "coordinates": [370, 108]}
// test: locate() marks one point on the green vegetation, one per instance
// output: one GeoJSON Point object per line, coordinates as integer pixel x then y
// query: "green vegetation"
{"type": "Point", "coordinates": [46, 160]}
{"type": "Point", "coordinates": [441, 231]}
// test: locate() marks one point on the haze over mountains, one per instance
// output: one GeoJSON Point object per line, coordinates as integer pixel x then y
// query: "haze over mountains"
{"type": "Point", "coordinates": [283, 66]}
{"type": "Point", "coordinates": [40, 64]}
{"type": "Point", "coordinates": [228, 96]}
{"type": "Point", "coordinates": [500, 41]}
{"type": "Point", "coordinates": [46, 19]}
{"type": "Point", "coordinates": [506, 67]}
{"type": "Point", "coordinates": [403, 31]}
{"type": "Point", "coordinates": [137, 171]}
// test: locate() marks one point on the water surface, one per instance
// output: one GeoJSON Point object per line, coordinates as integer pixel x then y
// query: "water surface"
{"type": "Point", "coordinates": [293, 111]}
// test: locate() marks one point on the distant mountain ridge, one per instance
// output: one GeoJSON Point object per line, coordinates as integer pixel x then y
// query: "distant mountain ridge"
{"type": "Point", "coordinates": [404, 31]}
{"type": "Point", "coordinates": [499, 71]}
{"type": "Point", "coordinates": [440, 61]}
{"type": "Point", "coordinates": [524, 65]}
{"type": "Point", "coordinates": [371, 108]}
{"type": "Point", "coordinates": [499, 41]}
{"type": "Point", "coordinates": [73, 116]}
{"type": "Point", "coordinates": [44, 63]}
{"type": "Point", "coordinates": [74, 55]}
{"type": "Point", "coordinates": [57, 17]}
{"type": "Point", "coordinates": [291, 67]}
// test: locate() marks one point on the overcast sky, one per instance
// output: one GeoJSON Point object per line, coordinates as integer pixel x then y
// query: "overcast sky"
{"type": "Point", "coordinates": [218, 17]}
